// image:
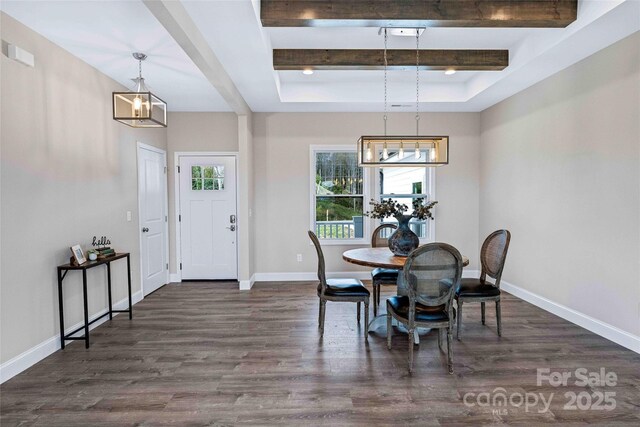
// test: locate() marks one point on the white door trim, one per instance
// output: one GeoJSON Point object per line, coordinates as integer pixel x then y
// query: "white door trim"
{"type": "Point", "coordinates": [176, 204]}
{"type": "Point", "coordinates": [143, 146]}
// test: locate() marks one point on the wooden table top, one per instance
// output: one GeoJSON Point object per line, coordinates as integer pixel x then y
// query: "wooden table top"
{"type": "Point", "coordinates": [379, 257]}
{"type": "Point", "coordinates": [90, 264]}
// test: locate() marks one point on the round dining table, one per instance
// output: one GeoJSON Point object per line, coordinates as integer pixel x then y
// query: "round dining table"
{"type": "Point", "coordinates": [381, 258]}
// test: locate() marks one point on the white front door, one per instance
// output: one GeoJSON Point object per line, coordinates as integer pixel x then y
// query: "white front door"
{"type": "Point", "coordinates": [152, 199]}
{"type": "Point", "coordinates": [208, 225]}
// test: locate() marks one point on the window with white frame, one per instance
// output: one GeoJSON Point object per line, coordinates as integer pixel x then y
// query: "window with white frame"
{"type": "Point", "coordinates": [404, 185]}
{"type": "Point", "coordinates": [338, 194]}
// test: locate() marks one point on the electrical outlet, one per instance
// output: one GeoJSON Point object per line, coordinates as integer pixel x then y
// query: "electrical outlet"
{"type": "Point", "coordinates": [299, 257]}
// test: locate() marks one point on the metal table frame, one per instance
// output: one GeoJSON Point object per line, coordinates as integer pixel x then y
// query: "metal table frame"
{"type": "Point", "coordinates": [62, 273]}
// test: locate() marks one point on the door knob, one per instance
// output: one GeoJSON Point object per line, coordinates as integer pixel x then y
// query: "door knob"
{"type": "Point", "coordinates": [232, 228]}
{"type": "Point", "coordinates": [145, 230]}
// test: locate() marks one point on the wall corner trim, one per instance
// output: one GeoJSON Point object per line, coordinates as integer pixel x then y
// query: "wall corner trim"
{"type": "Point", "coordinates": [245, 285]}
{"type": "Point", "coordinates": [24, 361]}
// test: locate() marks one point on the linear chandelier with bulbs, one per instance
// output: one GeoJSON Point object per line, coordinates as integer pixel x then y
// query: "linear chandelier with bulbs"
{"type": "Point", "coordinates": [408, 151]}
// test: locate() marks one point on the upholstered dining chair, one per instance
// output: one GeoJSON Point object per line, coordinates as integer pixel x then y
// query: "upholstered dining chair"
{"type": "Point", "coordinates": [339, 290]}
{"type": "Point", "coordinates": [492, 257]}
{"type": "Point", "coordinates": [429, 279]}
{"type": "Point", "coordinates": [382, 276]}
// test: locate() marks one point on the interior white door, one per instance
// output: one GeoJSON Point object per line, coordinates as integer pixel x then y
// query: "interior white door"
{"type": "Point", "coordinates": [152, 193]}
{"type": "Point", "coordinates": [208, 225]}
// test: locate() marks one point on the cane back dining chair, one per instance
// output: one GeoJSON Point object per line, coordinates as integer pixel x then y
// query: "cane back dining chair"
{"type": "Point", "coordinates": [339, 290]}
{"type": "Point", "coordinates": [492, 257]}
{"type": "Point", "coordinates": [382, 276]}
{"type": "Point", "coordinates": [429, 279]}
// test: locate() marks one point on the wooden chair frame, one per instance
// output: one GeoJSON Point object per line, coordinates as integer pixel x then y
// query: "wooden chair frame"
{"type": "Point", "coordinates": [379, 282]}
{"type": "Point", "coordinates": [335, 298]}
{"type": "Point", "coordinates": [447, 299]}
{"type": "Point", "coordinates": [496, 275]}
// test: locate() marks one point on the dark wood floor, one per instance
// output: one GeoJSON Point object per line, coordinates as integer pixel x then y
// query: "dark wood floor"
{"type": "Point", "coordinates": [207, 354]}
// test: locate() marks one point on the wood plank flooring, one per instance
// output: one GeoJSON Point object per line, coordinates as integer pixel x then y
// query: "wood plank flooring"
{"type": "Point", "coordinates": [207, 354]}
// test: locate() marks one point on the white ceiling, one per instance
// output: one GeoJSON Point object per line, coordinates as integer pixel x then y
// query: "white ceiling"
{"type": "Point", "coordinates": [104, 33]}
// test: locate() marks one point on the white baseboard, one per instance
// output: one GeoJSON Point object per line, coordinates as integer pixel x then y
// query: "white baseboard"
{"type": "Point", "coordinates": [311, 276]}
{"type": "Point", "coordinates": [612, 333]}
{"type": "Point", "coordinates": [23, 361]}
{"type": "Point", "coordinates": [175, 278]}
{"type": "Point", "coordinates": [245, 285]}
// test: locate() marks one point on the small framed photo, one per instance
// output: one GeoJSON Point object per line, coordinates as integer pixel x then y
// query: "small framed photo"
{"type": "Point", "coordinates": [78, 254]}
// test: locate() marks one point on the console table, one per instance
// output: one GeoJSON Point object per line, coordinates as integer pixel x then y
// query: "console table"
{"type": "Point", "coordinates": [62, 272]}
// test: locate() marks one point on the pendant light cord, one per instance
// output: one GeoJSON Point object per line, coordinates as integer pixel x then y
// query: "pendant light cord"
{"type": "Point", "coordinates": [417, 81]}
{"type": "Point", "coordinates": [385, 82]}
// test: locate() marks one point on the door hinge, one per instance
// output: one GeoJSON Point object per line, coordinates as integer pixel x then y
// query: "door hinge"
{"type": "Point", "coordinates": [180, 266]}
{"type": "Point", "coordinates": [165, 218]}
{"type": "Point", "coordinates": [178, 169]}
{"type": "Point", "coordinates": [179, 218]}
{"type": "Point", "coordinates": [165, 170]}
{"type": "Point", "coordinates": [167, 266]}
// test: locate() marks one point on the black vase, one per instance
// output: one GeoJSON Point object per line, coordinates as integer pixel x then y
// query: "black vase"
{"type": "Point", "coordinates": [403, 240]}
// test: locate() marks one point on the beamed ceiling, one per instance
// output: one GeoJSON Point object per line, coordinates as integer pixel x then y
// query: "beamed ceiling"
{"type": "Point", "coordinates": [498, 48]}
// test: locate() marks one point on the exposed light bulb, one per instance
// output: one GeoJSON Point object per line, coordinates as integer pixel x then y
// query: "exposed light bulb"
{"type": "Point", "coordinates": [401, 152]}
{"type": "Point", "coordinates": [385, 152]}
{"type": "Point", "coordinates": [369, 154]}
{"type": "Point", "coordinates": [433, 155]}
{"type": "Point", "coordinates": [137, 106]}
{"type": "Point", "coordinates": [417, 153]}
{"type": "Point", "coordinates": [450, 72]}
{"type": "Point", "coordinates": [307, 71]}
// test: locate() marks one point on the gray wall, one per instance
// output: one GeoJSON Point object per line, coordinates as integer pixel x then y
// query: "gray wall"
{"type": "Point", "coordinates": [560, 168]}
{"type": "Point", "coordinates": [281, 158]}
{"type": "Point", "coordinates": [68, 172]}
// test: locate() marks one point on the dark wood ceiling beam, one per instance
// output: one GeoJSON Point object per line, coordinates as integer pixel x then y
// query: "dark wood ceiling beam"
{"type": "Point", "coordinates": [373, 59]}
{"type": "Point", "coordinates": [419, 13]}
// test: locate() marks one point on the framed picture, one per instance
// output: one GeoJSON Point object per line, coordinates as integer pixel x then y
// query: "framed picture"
{"type": "Point", "coordinates": [78, 254]}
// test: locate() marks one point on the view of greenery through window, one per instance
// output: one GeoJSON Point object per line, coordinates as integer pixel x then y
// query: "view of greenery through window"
{"type": "Point", "coordinates": [339, 195]}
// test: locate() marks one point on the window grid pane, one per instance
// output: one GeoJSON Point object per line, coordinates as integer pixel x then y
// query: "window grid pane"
{"type": "Point", "coordinates": [339, 197]}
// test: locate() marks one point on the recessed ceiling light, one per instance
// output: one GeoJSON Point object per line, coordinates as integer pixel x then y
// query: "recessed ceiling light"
{"type": "Point", "coordinates": [450, 72]}
{"type": "Point", "coordinates": [402, 32]}
{"type": "Point", "coordinates": [307, 72]}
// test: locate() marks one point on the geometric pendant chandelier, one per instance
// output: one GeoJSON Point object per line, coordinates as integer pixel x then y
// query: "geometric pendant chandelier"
{"type": "Point", "coordinates": [403, 151]}
{"type": "Point", "coordinates": [139, 108]}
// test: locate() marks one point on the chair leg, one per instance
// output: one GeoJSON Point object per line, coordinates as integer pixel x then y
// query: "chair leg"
{"type": "Point", "coordinates": [375, 299]}
{"type": "Point", "coordinates": [499, 317]}
{"type": "Point", "coordinates": [449, 350]}
{"type": "Point", "coordinates": [366, 320]}
{"type": "Point", "coordinates": [359, 313]}
{"type": "Point", "coordinates": [388, 330]}
{"type": "Point", "coordinates": [482, 311]}
{"type": "Point", "coordinates": [319, 312]}
{"type": "Point", "coordinates": [323, 308]}
{"type": "Point", "coordinates": [410, 335]}
{"type": "Point", "coordinates": [440, 339]}
{"type": "Point", "coordinates": [459, 319]}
